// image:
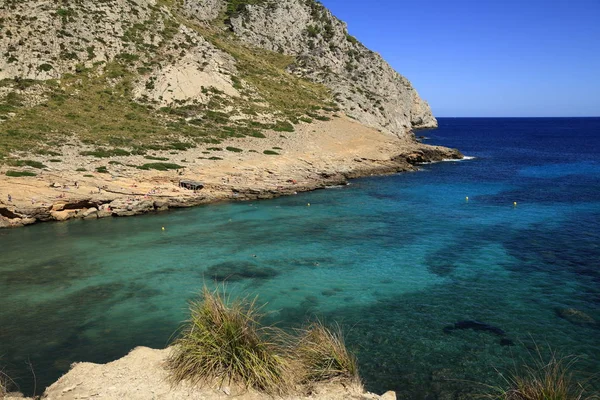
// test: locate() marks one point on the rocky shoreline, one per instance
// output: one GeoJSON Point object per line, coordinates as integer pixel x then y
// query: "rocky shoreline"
{"type": "Point", "coordinates": [63, 195]}
{"type": "Point", "coordinates": [142, 375]}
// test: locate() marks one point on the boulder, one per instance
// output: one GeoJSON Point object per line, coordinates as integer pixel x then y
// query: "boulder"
{"type": "Point", "coordinates": [90, 213]}
{"type": "Point", "coordinates": [63, 215]}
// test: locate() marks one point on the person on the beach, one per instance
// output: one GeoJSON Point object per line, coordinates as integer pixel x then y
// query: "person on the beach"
{"type": "Point", "coordinates": [9, 198]}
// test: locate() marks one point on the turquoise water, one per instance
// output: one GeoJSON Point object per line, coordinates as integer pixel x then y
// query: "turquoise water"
{"type": "Point", "coordinates": [394, 259]}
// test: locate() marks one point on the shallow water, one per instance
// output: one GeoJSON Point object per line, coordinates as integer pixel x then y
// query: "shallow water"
{"type": "Point", "coordinates": [394, 259]}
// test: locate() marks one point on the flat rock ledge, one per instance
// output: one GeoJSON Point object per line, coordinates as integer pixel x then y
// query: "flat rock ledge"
{"type": "Point", "coordinates": [125, 197]}
{"type": "Point", "coordinates": [141, 375]}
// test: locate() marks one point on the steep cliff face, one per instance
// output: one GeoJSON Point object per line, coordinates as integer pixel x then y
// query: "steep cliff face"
{"type": "Point", "coordinates": [366, 87]}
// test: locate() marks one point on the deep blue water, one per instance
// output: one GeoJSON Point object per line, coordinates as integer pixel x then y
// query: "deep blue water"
{"type": "Point", "coordinates": [394, 259]}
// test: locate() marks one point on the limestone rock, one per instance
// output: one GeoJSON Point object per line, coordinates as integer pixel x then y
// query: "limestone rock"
{"type": "Point", "coordinates": [364, 85]}
{"type": "Point", "coordinates": [63, 215]}
{"type": "Point", "coordinates": [389, 395]}
{"type": "Point", "coordinates": [90, 213]}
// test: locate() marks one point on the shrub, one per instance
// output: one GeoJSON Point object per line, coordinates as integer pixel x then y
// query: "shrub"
{"type": "Point", "coordinates": [156, 158]}
{"type": "Point", "coordinates": [546, 378]}
{"type": "Point", "coordinates": [222, 341]}
{"type": "Point", "coordinates": [45, 67]}
{"type": "Point", "coordinates": [81, 170]}
{"type": "Point", "coordinates": [234, 149]}
{"type": "Point", "coordinates": [160, 166]}
{"type": "Point", "coordinates": [271, 153]}
{"type": "Point", "coordinates": [18, 174]}
{"type": "Point", "coordinates": [324, 356]}
{"type": "Point", "coordinates": [105, 153]}
{"type": "Point", "coordinates": [102, 170]}
{"type": "Point", "coordinates": [28, 163]}
{"type": "Point", "coordinates": [283, 126]}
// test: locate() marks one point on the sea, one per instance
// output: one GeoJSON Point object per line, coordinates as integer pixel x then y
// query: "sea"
{"type": "Point", "coordinates": [444, 281]}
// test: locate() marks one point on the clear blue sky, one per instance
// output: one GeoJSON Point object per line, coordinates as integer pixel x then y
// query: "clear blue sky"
{"type": "Point", "coordinates": [487, 57]}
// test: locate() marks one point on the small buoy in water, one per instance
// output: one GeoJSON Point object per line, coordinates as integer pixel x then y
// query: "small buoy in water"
{"type": "Point", "coordinates": [514, 203]}
{"type": "Point", "coordinates": [467, 198]}
{"type": "Point", "coordinates": [163, 228]}
{"type": "Point", "coordinates": [308, 205]}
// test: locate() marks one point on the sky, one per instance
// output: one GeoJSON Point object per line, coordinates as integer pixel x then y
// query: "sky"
{"type": "Point", "coordinates": [487, 58]}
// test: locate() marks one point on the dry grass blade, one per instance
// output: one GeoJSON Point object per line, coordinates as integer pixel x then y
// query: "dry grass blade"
{"type": "Point", "coordinates": [224, 342]}
{"type": "Point", "coordinates": [324, 356]}
{"type": "Point", "coordinates": [4, 384]}
{"type": "Point", "coordinates": [546, 378]}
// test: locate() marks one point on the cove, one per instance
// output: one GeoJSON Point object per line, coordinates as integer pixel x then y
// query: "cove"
{"type": "Point", "coordinates": [394, 259]}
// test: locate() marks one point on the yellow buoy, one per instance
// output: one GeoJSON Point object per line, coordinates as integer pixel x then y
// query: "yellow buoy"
{"type": "Point", "coordinates": [467, 198]}
{"type": "Point", "coordinates": [308, 205]}
{"type": "Point", "coordinates": [163, 228]}
{"type": "Point", "coordinates": [514, 203]}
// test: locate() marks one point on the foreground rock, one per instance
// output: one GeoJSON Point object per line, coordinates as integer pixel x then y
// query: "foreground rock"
{"type": "Point", "coordinates": [142, 375]}
{"type": "Point", "coordinates": [317, 155]}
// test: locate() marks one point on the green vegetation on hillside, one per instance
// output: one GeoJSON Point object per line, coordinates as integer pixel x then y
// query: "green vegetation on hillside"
{"type": "Point", "coordinates": [96, 105]}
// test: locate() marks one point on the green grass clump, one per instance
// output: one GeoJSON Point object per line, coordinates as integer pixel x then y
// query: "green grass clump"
{"type": "Point", "coordinates": [102, 170]}
{"type": "Point", "coordinates": [18, 174]}
{"type": "Point", "coordinates": [81, 170]}
{"type": "Point", "coordinates": [105, 153]}
{"type": "Point", "coordinates": [28, 163]}
{"type": "Point", "coordinates": [324, 356]}
{"type": "Point", "coordinates": [160, 166]}
{"type": "Point", "coordinates": [224, 342]}
{"type": "Point", "coordinates": [234, 149]}
{"type": "Point", "coordinates": [271, 153]}
{"type": "Point", "coordinates": [283, 126]}
{"type": "Point", "coordinates": [546, 378]}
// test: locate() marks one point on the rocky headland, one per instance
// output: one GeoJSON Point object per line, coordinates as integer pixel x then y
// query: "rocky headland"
{"type": "Point", "coordinates": [106, 106]}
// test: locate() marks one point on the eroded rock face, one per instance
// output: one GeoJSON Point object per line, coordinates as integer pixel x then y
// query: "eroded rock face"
{"type": "Point", "coordinates": [203, 10]}
{"type": "Point", "coordinates": [363, 83]}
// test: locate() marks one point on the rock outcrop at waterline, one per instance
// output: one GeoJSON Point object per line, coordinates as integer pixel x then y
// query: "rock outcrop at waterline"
{"type": "Point", "coordinates": [142, 375]}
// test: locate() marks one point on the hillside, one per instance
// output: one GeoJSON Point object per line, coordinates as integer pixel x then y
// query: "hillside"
{"type": "Point", "coordinates": [127, 86]}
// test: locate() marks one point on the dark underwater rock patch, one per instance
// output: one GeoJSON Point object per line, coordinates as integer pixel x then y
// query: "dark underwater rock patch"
{"type": "Point", "coordinates": [233, 271]}
{"type": "Point", "coordinates": [441, 269]}
{"type": "Point", "coordinates": [574, 316]}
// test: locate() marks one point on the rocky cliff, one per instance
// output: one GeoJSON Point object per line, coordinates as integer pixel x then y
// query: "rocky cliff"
{"type": "Point", "coordinates": [100, 98]}
{"type": "Point", "coordinates": [203, 54]}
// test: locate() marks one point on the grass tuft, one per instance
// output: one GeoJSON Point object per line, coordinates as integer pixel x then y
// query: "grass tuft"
{"type": "Point", "coordinates": [224, 342]}
{"type": "Point", "coordinates": [323, 355]}
{"type": "Point", "coordinates": [5, 384]}
{"type": "Point", "coordinates": [546, 378]}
